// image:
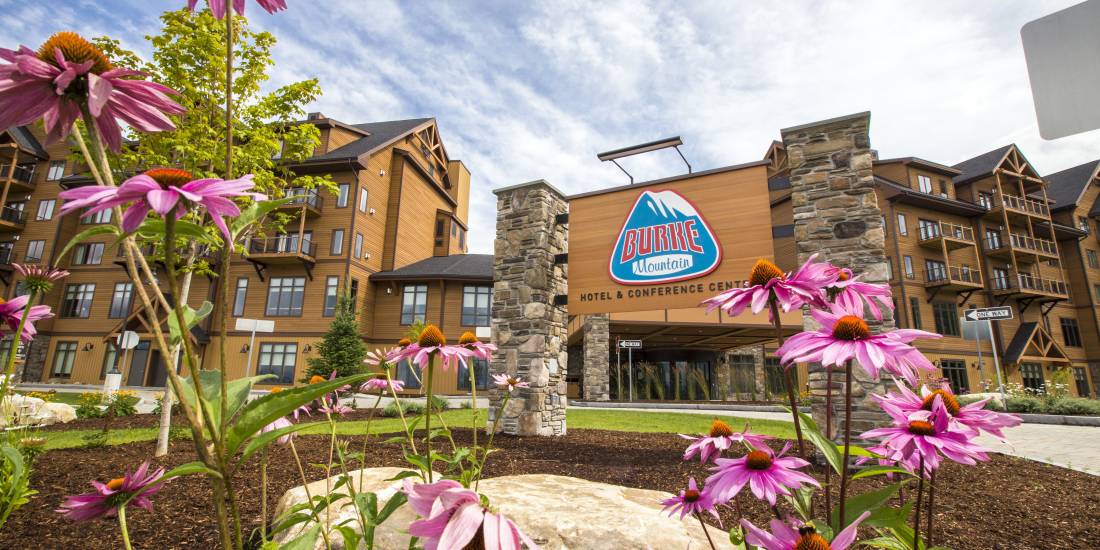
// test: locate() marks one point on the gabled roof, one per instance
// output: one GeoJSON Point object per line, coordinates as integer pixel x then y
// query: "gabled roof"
{"type": "Point", "coordinates": [922, 163]}
{"type": "Point", "coordinates": [465, 267]}
{"type": "Point", "coordinates": [381, 134]}
{"type": "Point", "coordinates": [981, 165]}
{"type": "Point", "coordinates": [1067, 186]}
{"type": "Point", "coordinates": [23, 137]}
{"type": "Point", "coordinates": [1030, 337]}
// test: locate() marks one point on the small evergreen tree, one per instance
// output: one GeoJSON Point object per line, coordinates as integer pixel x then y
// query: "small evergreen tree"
{"type": "Point", "coordinates": [342, 350]}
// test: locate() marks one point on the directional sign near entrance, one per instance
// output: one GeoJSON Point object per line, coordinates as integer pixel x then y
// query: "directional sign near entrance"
{"type": "Point", "coordinates": [630, 344]}
{"type": "Point", "coordinates": [1001, 313]}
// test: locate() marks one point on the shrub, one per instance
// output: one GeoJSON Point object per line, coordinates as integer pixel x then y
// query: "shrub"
{"type": "Point", "coordinates": [408, 407]}
{"type": "Point", "coordinates": [1026, 404]}
{"type": "Point", "coordinates": [438, 404]}
{"type": "Point", "coordinates": [159, 403]}
{"type": "Point", "coordinates": [88, 405]}
{"type": "Point", "coordinates": [1075, 406]}
{"type": "Point", "coordinates": [124, 403]}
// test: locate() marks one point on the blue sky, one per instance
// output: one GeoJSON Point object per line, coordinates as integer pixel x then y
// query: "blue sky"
{"type": "Point", "coordinates": [528, 90]}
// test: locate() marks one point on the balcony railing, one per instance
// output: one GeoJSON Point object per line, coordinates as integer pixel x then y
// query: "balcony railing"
{"type": "Point", "coordinates": [1025, 205]}
{"type": "Point", "coordinates": [1037, 284]}
{"type": "Point", "coordinates": [7, 255]}
{"type": "Point", "coordinates": [13, 214]}
{"type": "Point", "coordinates": [282, 245]}
{"type": "Point", "coordinates": [1033, 243]}
{"type": "Point", "coordinates": [953, 274]}
{"type": "Point", "coordinates": [307, 197]}
{"type": "Point", "coordinates": [945, 229]}
{"type": "Point", "coordinates": [21, 173]}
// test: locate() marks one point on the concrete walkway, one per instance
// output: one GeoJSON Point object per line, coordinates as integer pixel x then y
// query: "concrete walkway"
{"type": "Point", "coordinates": [1075, 447]}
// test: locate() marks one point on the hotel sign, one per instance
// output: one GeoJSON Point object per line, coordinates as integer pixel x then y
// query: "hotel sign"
{"type": "Point", "coordinates": [667, 244]}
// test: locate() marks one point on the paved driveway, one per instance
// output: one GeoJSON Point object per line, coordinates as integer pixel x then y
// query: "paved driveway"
{"type": "Point", "coordinates": [1076, 447]}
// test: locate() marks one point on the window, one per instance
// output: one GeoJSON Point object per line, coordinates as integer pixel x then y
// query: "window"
{"type": "Point", "coordinates": [476, 302]}
{"type": "Point", "coordinates": [332, 285]}
{"type": "Point", "coordinates": [924, 183]}
{"type": "Point", "coordinates": [56, 171]}
{"type": "Point", "coordinates": [406, 374]}
{"type": "Point", "coordinates": [63, 358]}
{"type": "Point", "coordinates": [889, 268]}
{"type": "Point", "coordinates": [481, 374]}
{"type": "Point", "coordinates": [110, 360]}
{"type": "Point", "coordinates": [454, 228]}
{"type": "Point", "coordinates": [954, 370]}
{"type": "Point", "coordinates": [1082, 380]}
{"type": "Point", "coordinates": [342, 195]}
{"type": "Point", "coordinates": [78, 300]}
{"type": "Point", "coordinates": [946, 315]}
{"type": "Point", "coordinates": [1000, 279]}
{"type": "Point", "coordinates": [1093, 262]}
{"type": "Point", "coordinates": [121, 300]}
{"type": "Point", "coordinates": [985, 200]}
{"type": "Point", "coordinates": [935, 270]}
{"type": "Point", "coordinates": [462, 240]}
{"type": "Point", "coordinates": [943, 188]}
{"type": "Point", "coordinates": [908, 264]}
{"type": "Point", "coordinates": [903, 229]}
{"type": "Point", "coordinates": [928, 229]}
{"type": "Point", "coordinates": [277, 359]}
{"type": "Point", "coordinates": [363, 199]}
{"type": "Point", "coordinates": [34, 251]}
{"type": "Point", "coordinates": [414, 304]}
{"type": "Point", "coordinates": [240, 297]}
{"type": "Point", "coordinates": [774, 384]}
{"type": "Point", "coordinates": [1032, 373]}
{"type": "Point", "coordinates": [285, 296]}
{"type": "Point", "coordinates": [101, 217]}
{"type": "Point", "coordinates": [337, 247]}
{"type": "Point", "coordinates": [1083, 223]}
{"type": "Point", "coordinates": [358, 245]}
{"type": "Point", "coordinates": [20, 290]}
{"type": "Point", "coordinates": [992, 239]}
{"type": "Point", "coordinates": [1096, 291]}
{"type": "Point", "coordinates": [1071, 334]}
{"type": "Point", "coordinates": [45, 210]}
{"type": "Point", "coordinates": [742, 373]}
{"type": "Point", "coordinates": [88, 254]}
{"type": "Point", "coordinates": [353, 294]}
{"type": "Point", "coordinates": [914, 310]}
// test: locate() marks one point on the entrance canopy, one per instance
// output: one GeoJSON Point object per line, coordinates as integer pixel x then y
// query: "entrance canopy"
{"type": "Point", "coordinates": [691, 328]}
{"type": "Point", "coordinates": [1032, 344]}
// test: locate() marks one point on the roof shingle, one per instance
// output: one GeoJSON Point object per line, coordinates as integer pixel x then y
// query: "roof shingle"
{"type": "Point", "coordinates": [1067, 186]}
{"type": "Point", "coordinates": [468, 267]}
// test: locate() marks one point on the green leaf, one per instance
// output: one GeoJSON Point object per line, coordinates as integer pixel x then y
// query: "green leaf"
{"type": "Point", "coordinates": [304, 541]}
{"type": "Point", "coordinates": [737, 537]}
{"type": "Point", "coordinates": [351, 537]}
{"type": "Point", "coordinates": [399, 498]}
{"type": "Point", "coordinates": [253, 213]}
{"type": "Point", "coordinates": [265, 410]}
{"type": "Point", "coordinates": [802, 501]}
{"type": "Point", "coordinates": [879, 470]}
{"type": "Point", "coordinates": [827, 447]}
{"type": "Point", "coordinates": [190, 468]}
{"type": "Point", "coordinates": [191, 317]}
{"type": "Point", "coordinates": [865, 502]}
{"type": "Point", "coordinates": [238, 388]}
{"type": "Point", "coordinates": [155, 227]}
{"type": "Point", "coordinates": [85, 235]}
{"type": "Point", "coordinates": [265, 439]}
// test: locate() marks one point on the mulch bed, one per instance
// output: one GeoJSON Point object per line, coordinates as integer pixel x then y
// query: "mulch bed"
{"type": "Point", "coordinates": [1008, 503]}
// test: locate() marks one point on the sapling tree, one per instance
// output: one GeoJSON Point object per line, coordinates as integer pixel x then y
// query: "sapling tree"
{"type": "Point", "coordinates": [341, 350]}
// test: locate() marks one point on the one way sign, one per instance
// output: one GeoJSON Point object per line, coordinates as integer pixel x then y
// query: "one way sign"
{"type": "Point", "coordinates": [988, 314]}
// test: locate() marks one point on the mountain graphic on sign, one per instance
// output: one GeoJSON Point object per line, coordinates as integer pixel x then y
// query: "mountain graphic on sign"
{"type": "Point", "coordinates": [663, 239]}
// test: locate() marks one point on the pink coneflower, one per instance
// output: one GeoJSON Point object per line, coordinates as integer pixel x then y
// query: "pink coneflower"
{"type": "Point", "coordinates": [378, 357]}
{"type": "Point", "coordinates": [720, 437]}
{"type": "Point", "coordinates": [973, 417]}
{"type": "Point", "coordinates": [767, 282]}
{"type": "Point", "coordinates": [218, 7]}
{"type": "Point", "coordinates": [843, 336]}
{"type": "Point", "coordinates": [431, 343]}
{"type": "Point", "coordinates": [795, 535]}
{"type": "Point", "coordinates": [510, 383]}
{"type": "Point", "coordinates": [278, 424]}
{"type": "Point", "coordinates": [68, 72]}
{"type": "Point", "coordinates": [690, 501]}
{"type": "Point", "coordinates": [453, 516]}
{"type": "Point", "coordinates": [381, 385]}
{"type": "Point", "coordinates": [39, 278]}
{"type": "Point", "coordinates": [135, 488]}
{"type": "Point", "coordinates": [768, 475]}
{"type": "Point", "coordinates": [164, 191]}
{"type": "Point", "coordinates": [854, 295]}
{"type": "Point", "coordinates": [478, 349]}
{"type": "Point", "coordinates": [926, 434]}
{"type": "Point", "coordinates": [11, 312]}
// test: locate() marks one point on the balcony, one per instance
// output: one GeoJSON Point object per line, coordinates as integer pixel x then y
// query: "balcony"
{"type": "Point", "coordinates": [1018, 207]}
{"type": "Point", "coordinates": [946, 235]}
{"type": "Point", "coordinates": [1026, 284]}
{"type": "Point", "coordinates": [309, 200]}
{"type": "Point", "coordinates": [953, 278]}
{"type": "Point", "coordinates": [1031, 248]}
{"type": "Point", "coordinates": [22, 177]}
{"type": "Point", "coordinates": [280, 250]}
{"type": "Point", "coordinates": [13, 217]}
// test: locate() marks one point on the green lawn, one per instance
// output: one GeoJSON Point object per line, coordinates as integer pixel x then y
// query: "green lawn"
{"type": "Point", "coordinates": [614, 420]}
{"type": "Point", "coordinates": [67, 397]}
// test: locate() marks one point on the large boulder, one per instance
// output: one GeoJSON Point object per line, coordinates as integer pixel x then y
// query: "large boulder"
{"type": "Point", "coordinates": [558, 512]}
{"type": "Point", "coordinates": [34, 411]}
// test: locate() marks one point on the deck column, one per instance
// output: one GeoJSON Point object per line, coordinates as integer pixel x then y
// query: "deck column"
{"type": "Point", "coordinates": [836, 216]}
{"type": "Point", "coordinates": [529, 330]}
{"type": "Point", "coordinates": [597, 354]}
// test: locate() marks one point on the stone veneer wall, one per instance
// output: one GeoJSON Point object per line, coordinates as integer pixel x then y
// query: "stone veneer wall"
{"type": "Point", "coordinates": [597, 357]}
{"type": "Point", "coordinates": [836, 216]}
{"type": "Point", "coordinates": [528, 329]}
{"type": "Point", "coordinates": [35, 362]}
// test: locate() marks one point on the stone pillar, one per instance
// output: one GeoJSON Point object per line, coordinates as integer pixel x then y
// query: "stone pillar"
{"type": "Point", "coordinates": [35, 362]}
{"type": "Point", "coordinates": [596, 375]}
{"type": "Point", "coordinates": [836, 216]}
{"type": "Point", "coordinates": [528, 329]}
{"type": "Point", "coordinates": [725, 389]}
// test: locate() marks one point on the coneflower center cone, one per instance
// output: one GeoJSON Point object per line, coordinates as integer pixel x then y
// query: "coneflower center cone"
{"type": "Point", "coordinates": [764, 271]}
{"type": "Point", "coordinates": [691, 495]}
{"type": "Point", "coordinates": [921, 427]}
{"type": "Point", "coordinates": [431, 337]}
{"type": "Point", "coordinates": [851, 327]}
{"type": "Point", "coordinates": [758, 460]}
{"type": "Point", "coordinates": [404, 343]}
{"type": "Point", "coordinates": [116, 483]}
{"type": "Point", "coordinates": [75, 49]}
{"type": "Point", "coordinates": [467, 338]}
{"type": "Point", "coordinates": [949, 401]}
{"type": "Point", "coordinates": [720, 429]}
{"type": "Point", "coordinates": [810, 540]}
{"type": "Point", "coordinates": [169, 176]}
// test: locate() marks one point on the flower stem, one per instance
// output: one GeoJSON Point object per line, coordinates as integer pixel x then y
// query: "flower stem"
{"type": "Point", "coordinates": [705, 531]}
{"type": "Point", "coordinates": [787, 379]}
{"type": "Point", "coordinates": [9, 378]}
{"type": "Point", "coordinates": [829, 436]}
{"type": "Point", "coordinates": [847, 438]}
{"type": "Point", "coordinates": [122, 527]}
{"type": "Point", "coordinates": [473, 402]}
{"type": "Point", "coordinates": [931, 500]}
{"type": "Point", "coordinates": [228, 91]}
{"type": "Point", "coordinates": [263, 494]}
{"type": "Point", "coordinates": [428, 417]}
{"type": "Point", "coordinates": [489, 444]}
{"type": "Point", "coordinates": [920, 493]}
{"type": "Point", "coordinates": [401, 413]}
{"type": "Point", "coordinates": [366, 436]}
{"type": "Point", "coordinates": [305, 487]}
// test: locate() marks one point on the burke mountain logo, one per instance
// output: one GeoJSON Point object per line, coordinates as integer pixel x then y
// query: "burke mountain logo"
{"type": "Point", "coordinates": [664, 239]}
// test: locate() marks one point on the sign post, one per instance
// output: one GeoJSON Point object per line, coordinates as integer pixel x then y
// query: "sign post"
{"type": "Point", "coordinates": [978, 322]}
{"type": "Point", "coordinates": [630, 346]}
{"type": "Point", "coordinates": [253, 325]}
